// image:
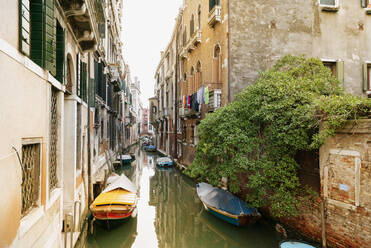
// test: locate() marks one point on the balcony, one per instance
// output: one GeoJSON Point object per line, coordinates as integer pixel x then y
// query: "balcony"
{"type": "Point", "coordinates": [183, 53]}
{"type": "Point", "coordinates": [196, 37]}
{"type": "Point", "coordinates": [215, 100]}
{"type": "Point", "coordinates": [86, 19]}
{"type": "Point", "coordinates": [186, 112]}
{"type": "Point", "coordinates": [215, 15]}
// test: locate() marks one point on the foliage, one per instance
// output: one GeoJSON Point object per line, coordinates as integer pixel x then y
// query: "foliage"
{"type": "Point", "coordinates": [259, 133]}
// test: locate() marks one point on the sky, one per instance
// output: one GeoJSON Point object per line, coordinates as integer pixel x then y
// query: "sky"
{"type": "Point", "coordinates": [147, 29]}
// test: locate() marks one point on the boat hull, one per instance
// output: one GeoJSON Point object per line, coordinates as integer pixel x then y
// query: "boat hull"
{"type": "Point", "coordinates": [165, 164]}
{"type": "Point", "coordinates": [236, 220]}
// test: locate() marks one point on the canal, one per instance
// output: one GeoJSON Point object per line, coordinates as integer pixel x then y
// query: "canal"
{"type": "Point", "coordinates": [171, 215]}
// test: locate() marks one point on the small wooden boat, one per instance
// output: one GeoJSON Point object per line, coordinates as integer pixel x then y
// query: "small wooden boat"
{"type": "Point", "coordinates": [117, 202]}
{"type": "Point", "coordinates": [164, 162]}
{"type": "Point", "coordinates": [126, 159]}
{"type": "Point", "coordinates": [226, 206]}
{"type": "Point", "coordinates": [295, 244]}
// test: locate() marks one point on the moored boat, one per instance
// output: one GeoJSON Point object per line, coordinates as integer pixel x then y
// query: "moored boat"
{"type": "Point", "coordinates": [226, 206]}
{"type": "Point", "coordinates": [126, 159]}
{"type": "Point", "coordinates": [164, 162]}
{"type": "Point", "coordinates": [116, 203]}
{"type": "Point", "coordinates": [150, 148]}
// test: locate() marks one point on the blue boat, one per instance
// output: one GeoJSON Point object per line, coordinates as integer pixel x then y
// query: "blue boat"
{"type": "Point", "coordinates": [226, 206]}
{"type": "Point", "coordinates": [295, 244]}
{"type": "Point", "coordinates": [164, 162]}
{"type": "Point", "coordinates": [150, 148]}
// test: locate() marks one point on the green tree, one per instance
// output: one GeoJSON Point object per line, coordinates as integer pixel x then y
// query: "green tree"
{"type": "Point", "coordinates": [258, 134]}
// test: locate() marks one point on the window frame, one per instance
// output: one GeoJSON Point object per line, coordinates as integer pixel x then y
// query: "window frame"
{"type": "Point", "coordinates": [330, 8]}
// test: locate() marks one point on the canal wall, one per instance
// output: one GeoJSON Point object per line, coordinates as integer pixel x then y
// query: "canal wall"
{"type": "Point", "coordinates": [345, 191]}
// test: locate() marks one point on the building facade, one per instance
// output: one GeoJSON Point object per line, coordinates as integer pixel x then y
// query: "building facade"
{"type": "Point", "coordinates": [62, 114]}
{"type": "Point", "coordinates": [222, 46]}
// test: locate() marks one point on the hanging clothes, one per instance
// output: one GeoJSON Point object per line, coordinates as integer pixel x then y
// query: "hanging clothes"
{"type": "Point", "coordinates": [200, 97]}
{"type": "Point", "coordinates": [206, 95]}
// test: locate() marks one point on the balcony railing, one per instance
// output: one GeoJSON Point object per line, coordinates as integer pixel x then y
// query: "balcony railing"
{"type": "Point", "coordinates": [186, 112]}
{"type": "Point", "coordinates": [215, 15]}
{"type": "Point", "coordinates": [196, 37]}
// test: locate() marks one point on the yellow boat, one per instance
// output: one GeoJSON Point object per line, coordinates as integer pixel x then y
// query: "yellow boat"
{"type": "Point", "coordinates": [117, 202]}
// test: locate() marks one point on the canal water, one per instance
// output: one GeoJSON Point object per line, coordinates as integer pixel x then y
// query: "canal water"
{"type": "Point", "coordinates": [171, 215]}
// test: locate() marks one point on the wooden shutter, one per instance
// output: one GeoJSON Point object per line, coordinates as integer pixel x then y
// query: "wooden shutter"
{"type": "Point", "coordinates": [60, 54]}
{"type": "Point", "coordinates": [340, 72]}
{"type": "Point", "coordinates": [50, 34]}
{"type": "Point", "coordinates": [37, 32]}
{"type": "Point", "coordinates": [365, 77]}
{"type": "Point", "coordinates": [24, 27]}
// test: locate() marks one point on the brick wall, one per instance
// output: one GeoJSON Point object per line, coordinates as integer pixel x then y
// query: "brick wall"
{"type": "Point", "coordinates": [345, 168]}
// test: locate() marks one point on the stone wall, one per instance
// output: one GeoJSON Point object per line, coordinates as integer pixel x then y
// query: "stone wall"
{"type": "Point", "coordinates": [263, 31]}
{"type": "Point", "coordinates": [345, 168]}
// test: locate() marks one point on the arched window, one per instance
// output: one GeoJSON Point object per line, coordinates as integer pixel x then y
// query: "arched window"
{"type": "Point", "coordinates": [185, 36]}
{"type": "Point", "coordinates": [199, 16]}
{"type": "Point", "coordinates": [198, 76]}
{"type": "Point", "coordinates": [192, 26]}
{"type": "Point", "coordinates": [216, 68]}
{"type": "Point", "coordinates": [191, 84]}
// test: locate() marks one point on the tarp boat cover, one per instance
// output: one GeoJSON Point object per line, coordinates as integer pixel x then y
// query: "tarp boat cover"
{"type": "Point", "coordinates": [223, 200]}
{"type": "Point", "coordinates": [122, 182]}
{"type": "Point", "coordinates": [124, 157]}
{"type": "Point", "coordinates": [164, 160]}
{"type": "Point", "coordinates": [295, 244]}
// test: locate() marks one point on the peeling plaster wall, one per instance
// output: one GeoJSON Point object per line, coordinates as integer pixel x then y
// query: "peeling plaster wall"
{"type": "Point", "coordinates": [263, 31]}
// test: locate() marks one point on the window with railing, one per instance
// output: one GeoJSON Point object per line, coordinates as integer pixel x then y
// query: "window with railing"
{"type": "Point", "coordinates": [30, 177]}
{"type": "Point", "coordinates": [213, 3]}
{"type": "Point", "coordinates": [53, 140]}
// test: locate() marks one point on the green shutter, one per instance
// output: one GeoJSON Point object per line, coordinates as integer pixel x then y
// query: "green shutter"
{"type": "Point", "coordinates": [365, 77]}
{"type": "Point", "coordinates": [340, 72]}
{"type": "Point", "coordinates": [37, 32]}
{"type": "Point", "coordinates": [24, 28]}
{"type": "Point", "coordinates": [91, 90]}
{"type": "Point", "coordinates": [50, 34]}
{"type": "Point", "coordinates": [60, 54]}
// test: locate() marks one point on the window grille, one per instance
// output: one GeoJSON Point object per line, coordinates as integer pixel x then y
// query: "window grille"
{"type": "Point", "coordinates": [30, 177]}
{"type": "Point", "coordinates": [53, 140]}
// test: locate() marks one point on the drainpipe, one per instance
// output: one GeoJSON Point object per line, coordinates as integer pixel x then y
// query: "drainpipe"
{"type": "Point", "coordinates": [90, 188]}
{"type": "Point", "coordinates": [228, 55]}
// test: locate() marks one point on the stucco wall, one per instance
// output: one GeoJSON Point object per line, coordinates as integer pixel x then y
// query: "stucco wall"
{"type": "Point", "coordinates": [263, 31]}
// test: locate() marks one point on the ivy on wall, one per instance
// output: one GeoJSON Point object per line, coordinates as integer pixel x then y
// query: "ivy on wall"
{"type": "Point", "coordinates": [259, 133]}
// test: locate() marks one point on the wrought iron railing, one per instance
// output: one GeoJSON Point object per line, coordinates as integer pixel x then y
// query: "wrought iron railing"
{"type": "Point", "coordinates": [53, 140]}
{"type": "Point", "coordinates": [30, 177]}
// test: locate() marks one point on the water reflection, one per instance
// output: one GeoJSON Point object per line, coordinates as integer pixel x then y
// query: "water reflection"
{"type": "Point", "coordinates": [171, 215]}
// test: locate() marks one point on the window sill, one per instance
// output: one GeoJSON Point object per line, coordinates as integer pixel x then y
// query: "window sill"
{"type": "Point", "coordinates": [28, 221]}
{"type": "Point", "coordinates": [329, 8]}
{"type": "Point", "coordinates": [54, 196]}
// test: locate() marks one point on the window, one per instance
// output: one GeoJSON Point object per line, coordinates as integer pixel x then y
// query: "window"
{"type": "Point", "coordinates": [185, 37]}
{"type": "Point", "coordinates": [199, 17]}
{"type": "Point", "coordinates": [192, 26]}
{"type": "Point", "coordinates": [60, 57]}
{"type": "Point", "coordinates": [30, 176]}
{"type": "Point", "coordinates": [53, 140]}
{"type": "Point", "coordinates": [37, 32]}
{"type": "Point", "coordinates": [367, 78]}
{"type": "Point", "coordinates": [154, 109]}
{"type": "Point", "coordinates": [336, 68]}
{"type": "Point", "coordinates": [366, 3]}
{"type": "Point", "coordinates": [213, 3]}
{"type": "Point", "coordinates": [329, 5]}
